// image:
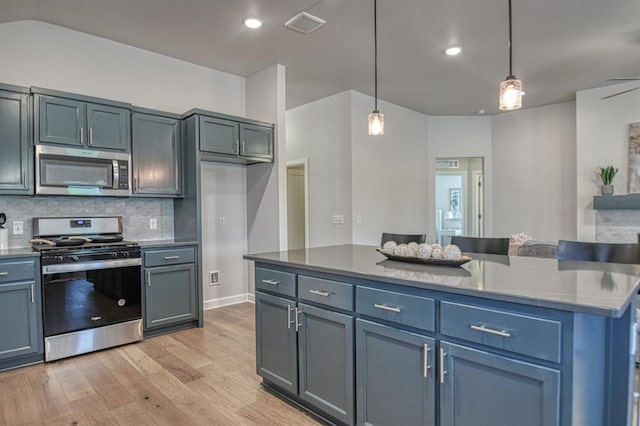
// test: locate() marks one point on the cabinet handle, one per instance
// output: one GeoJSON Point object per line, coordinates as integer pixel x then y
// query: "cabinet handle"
{"type": "Point", "coordinates": [289, 322]}
{"type": "Point", "coordinates": [148, 278]}
{"type": "Point", "coordinates": [81, 135]}
{"type": "Point", "coordinates": [387, 308]}
{"type": "Point", "coordinates": [24, 179]}
{"type": "Point", "coordinates": [442, 370]}
{"type": "Point", "coordinates": [271, 282]}
{"type": "Point", "coordinates": [425, 361]}
{"type": "Point", "coordinates": [33, 296]}
{"type": "Point", "coordinates": [320, 293]}
{"type": "Point", "coordinates": [2, 274]}
{"type": "Point", "coordinates": [135, 184]}
{"type": "Point", "coordinates": [171, 257]}
{"type": "Point", "coordinates": [90, 135]}
{"type": "Point", "coordinates": [483, 328]}
{"type": "Point", "coordinates": [298, 321]}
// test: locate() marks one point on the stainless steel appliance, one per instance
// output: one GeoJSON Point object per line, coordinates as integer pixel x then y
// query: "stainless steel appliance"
{"type": "Point", "coordinates": [91, 283]}
{"type": "Point", "coordinates": [73, 171]}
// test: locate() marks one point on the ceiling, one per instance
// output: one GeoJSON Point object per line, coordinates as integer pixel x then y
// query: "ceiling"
{"type": "Point", "coordinates": [559, 46]}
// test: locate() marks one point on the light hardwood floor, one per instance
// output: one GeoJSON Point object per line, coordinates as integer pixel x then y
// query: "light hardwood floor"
{"type": "Point", "coordinates": [203, 376]}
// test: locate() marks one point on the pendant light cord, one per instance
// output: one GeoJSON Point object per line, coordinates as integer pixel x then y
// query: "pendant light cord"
{"type": "Point", "coordinates": [375, 50]}
{"type": "Point", "coordinates": [510, 43]}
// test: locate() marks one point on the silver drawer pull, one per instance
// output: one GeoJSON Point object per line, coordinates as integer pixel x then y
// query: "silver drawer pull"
{"type": "Point", "coordinates": [271, 282]}
{"type": "Point", "coordinates": [387, 308]}
{"type": "Point", "coordinates": [320, 293]}
{"type": "Point", "coordinates": [442, 370]}
{"type": "Point", "coordinates": [171, 257]}
{"type": "Point", "coordinates": [2, 274]}
{"type": "Point", "coordinates": [425, 361]}
{"type": "Point", "coordinates": [484, 329]}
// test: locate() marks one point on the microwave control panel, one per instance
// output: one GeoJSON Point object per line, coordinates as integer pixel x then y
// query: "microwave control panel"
{"type": "Point", "coordinates": [123, 175]}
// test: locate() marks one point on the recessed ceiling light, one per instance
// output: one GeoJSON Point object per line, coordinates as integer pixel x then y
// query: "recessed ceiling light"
{"type": "Point", "coordinates": [453, 50]}
{"type": "Point", "coordinates": [252, 21]}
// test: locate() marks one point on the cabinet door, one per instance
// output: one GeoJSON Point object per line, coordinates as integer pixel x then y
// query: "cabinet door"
{"type": "Point", "coordinates": [481, 388]}
{"type": "Point", "coordinates": [219, 136]}
{"type": "Point", "coordinates": [156, 155]}
{"type": "Point", "coordinates": [15, 163]}
{"type": "Point", "coordinates": [170, 295]}
{"type": "Point", "coordinates": [61, 121]}
{"type": "Point", "coordinates": [19, 331]}
{"type": "Point", "coordinates": [108, 127]}
{"type": "Point", "coordinates": [325, 355]}
{"type": "Point", "coordinates": [256, 141]}
{"type": "Point", "coordinates": [276, 349]}
{"type": "Point", "coordinates": [395, 376]}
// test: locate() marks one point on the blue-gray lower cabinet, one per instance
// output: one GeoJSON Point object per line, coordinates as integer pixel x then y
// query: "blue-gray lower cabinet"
{"type": "Point", "coordinates": [20, 313]}
{"type": "Point", "coordinates": [480, 388]}
{"type": "Point", "coordinates": [396, 376]}
{"type": "Point", "coordinates": [170, 295]}
{"type": "Point", "coordinates": [276, 341]}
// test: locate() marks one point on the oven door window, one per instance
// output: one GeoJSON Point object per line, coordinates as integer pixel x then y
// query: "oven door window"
{"type": "Point", "coordinates": [76, 171]}
{"type": "Point", "coordinates": [76, 301]}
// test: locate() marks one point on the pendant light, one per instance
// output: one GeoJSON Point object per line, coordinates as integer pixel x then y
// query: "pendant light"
{"type": "Point", "coordinates": [376, 118]}
{"type": "Point", "coordinates": [511, 87]}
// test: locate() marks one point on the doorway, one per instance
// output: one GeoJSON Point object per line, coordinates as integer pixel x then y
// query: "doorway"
{"type": "Point", "coordinates": [297, 204]}
{"type": "Point", "coordinates": [459, 197]}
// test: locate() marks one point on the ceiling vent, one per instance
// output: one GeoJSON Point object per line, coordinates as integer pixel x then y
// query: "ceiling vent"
{"type": "Point", "coordinates": [447, 164]}
{"type": "Point", "coordinates": [304, 22]}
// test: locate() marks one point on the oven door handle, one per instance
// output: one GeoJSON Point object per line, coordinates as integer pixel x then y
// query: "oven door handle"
{"type": "Point", "coordinates": [90, 266]}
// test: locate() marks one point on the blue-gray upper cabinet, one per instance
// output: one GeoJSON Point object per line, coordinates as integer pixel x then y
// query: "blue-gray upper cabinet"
{"type": "Point", "coordinates": [396, 376]}
{"type": "Point", "coordinates": [228, 139]}
{"type": "Point", "coordinates": [65, 121]}
{"type": "Point", "coordinates": [156, 155]}
{"type": "Point", "coordinates": [479, 387]}
{"type": "Point", "coordinates": [16, 175]}
{"type": "Point", "coordinates": [20, 312]}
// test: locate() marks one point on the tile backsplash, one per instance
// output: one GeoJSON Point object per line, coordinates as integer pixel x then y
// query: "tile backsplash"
{"type": "Point", "coordinates": [135, 211]}
{"type": "Point", "coordinates": [617, 226]}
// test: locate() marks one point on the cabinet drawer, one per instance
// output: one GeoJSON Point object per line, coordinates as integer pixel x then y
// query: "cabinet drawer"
{"type": "Point", "coordinates": [17, 271]}
{"type": "Point", "coordinates": [523, 334]}
{"type": "Point", "coordinates": [406, 309]}
{"type": "Point", "coordinates": [171, 256]}
{"type": "Point", "coordinates": [330, 293]}
{"type": "Point", "coordinates": [276, 282]}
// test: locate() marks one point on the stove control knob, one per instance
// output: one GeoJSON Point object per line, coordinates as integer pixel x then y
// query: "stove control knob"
{"type": "Point", "coordinates": [59, 259]}
{"type": "Point", "coordinates": [74, 258]}
{"type": "Point", "coordinates": [125, 254]}
{"type": "Point", "coordinates": [114, 254]}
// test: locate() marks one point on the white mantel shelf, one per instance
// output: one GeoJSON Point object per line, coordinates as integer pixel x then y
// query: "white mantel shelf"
{"type": "Point", "coordinates": [616, 202]}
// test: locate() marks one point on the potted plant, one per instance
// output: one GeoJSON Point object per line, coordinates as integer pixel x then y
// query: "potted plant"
{"type": "Point", "coordinates": [607, 174]}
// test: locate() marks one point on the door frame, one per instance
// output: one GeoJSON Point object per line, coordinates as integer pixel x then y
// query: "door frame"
{"type": "Point", "coordinates": [304, 162]}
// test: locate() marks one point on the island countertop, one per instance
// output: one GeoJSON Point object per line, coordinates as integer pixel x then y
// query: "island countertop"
{"type": "Point", "coordinates": [604, 289]}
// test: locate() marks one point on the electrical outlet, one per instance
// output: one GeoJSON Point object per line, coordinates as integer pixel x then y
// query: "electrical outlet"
{"type": "Point", "coordinates": [338, 219]}
{"type": "Point", "coordinates": [18, 227]}
{"type": "Point", "coordinates": [214, 278]}
{"type": "Point", "coordinates": [222, 221]}
{"type": "Point", "coordinates": [153, 223]}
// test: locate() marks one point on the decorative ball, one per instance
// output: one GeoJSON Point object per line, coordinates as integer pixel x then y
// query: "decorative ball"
{"type": "Point", "coordinates": [389, 247]}
{"type": "Point", "coordinates": [437, 251]}
{"type": "Point", "coordinates": [412, 249]}
{"type": "Point", "coordinates": [424, 251]}
{"type": "Point", "coordinates": [452, 252]}
{"type": "Point", "coordinates": [401, 250]}
{"type": "Point", "coordinates": [413, 244]}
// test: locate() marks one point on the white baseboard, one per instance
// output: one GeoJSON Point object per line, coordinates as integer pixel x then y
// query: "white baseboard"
{"type": "Point", "coordinates": [227, 301]}
{"type": "Point", "coordinates": [252, 298]}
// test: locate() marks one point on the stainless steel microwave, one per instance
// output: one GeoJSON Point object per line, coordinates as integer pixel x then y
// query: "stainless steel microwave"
{"type": "Point", "coordinates": [72, 171]}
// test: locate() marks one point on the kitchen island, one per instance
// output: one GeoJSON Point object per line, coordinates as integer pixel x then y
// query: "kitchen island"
{"type": "Point", "coordinates": [360, 339]}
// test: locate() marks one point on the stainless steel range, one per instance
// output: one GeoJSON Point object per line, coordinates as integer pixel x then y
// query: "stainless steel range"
{"type": "Point", "coordinates": [91, 284]}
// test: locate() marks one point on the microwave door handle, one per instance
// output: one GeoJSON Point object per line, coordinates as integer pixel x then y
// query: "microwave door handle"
{"type": "Point", "coordinates": [116, 175]}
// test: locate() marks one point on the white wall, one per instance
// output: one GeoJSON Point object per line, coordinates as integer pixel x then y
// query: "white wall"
{"type": "Point", "coordinates": [534, 172]}
{"type": "Point", "coordinates": [223, 194]}
{"type": "Point", "coordinates": [459, 137]}
{"type": "Point", "coordinates": [45, 55]}
{"type": "Point", "coordinates": [602, 139]}
{"type": "Point", "coordinates": [321, 132]}
{"type": "Point", "coordinates": [389, 177]}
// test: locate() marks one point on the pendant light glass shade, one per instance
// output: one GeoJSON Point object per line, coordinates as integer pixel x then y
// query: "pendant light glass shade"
{"type": "Point", "coordinates": [376, 118]}
{"type": "Point", "coordinates": [376, 123]}
{"type": "Point", "coordinates": [510, 94]}
{"type": "Point", "coordinates": [511, 88]}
